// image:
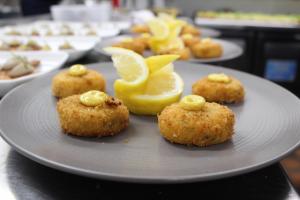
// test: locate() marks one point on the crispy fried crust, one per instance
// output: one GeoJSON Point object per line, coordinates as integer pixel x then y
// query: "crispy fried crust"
{"type": "Point", "coordinates": [64, 85]}
{"type": "Point", "coordinates": [136, 46]}
{"type": "Point", "coordinates": [232, 92]}
{"type": "Point", "coordinates": [140, 28]}
{"type": "Point", "coordinates": [190, 29]}
{"type": "Point", "coordinates": [189, 42]}
{"type": "Point", "coordinates": [142, 40]}
{"type": "Point", "coordinates": [80, 120]}
{"type": "Point", "coordinates": [213, 50]}
{"type": "Point", "coordinates": [213, 124]}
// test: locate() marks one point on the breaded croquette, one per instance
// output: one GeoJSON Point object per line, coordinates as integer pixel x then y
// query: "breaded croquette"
{"type": "Point", "coordinates": [189, 40]}
{"type": "Point", "coordinates": [143, 39]}
{"type": "Point", "coordinates": [190, 29]}
{"type": "Point", "coordinates": [67, 83]}
{"type": "Point", "coordinates": [140, 28]}
{"type": "Point", "coordinates": [219, 88]}
{"type": "Point", "coordinates": [133, 44]}
{"type": "Point", "coordinates": [207, 48]}
{"type": "Point", "coordinates": [212, 124]}
{"type": "Point", "coordinates": [107, 118]}
{"type": "Point", "coordinates": [184, 53]}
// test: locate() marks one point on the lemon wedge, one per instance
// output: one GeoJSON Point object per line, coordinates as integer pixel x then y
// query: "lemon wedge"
{"type": "Point", "coordinates": [131, 67]}
{"type": "Point", "coordinates": [155, 63]}
{"type": "Point", "coordinates": [163, 88]}
{"type": "Point", "coordinates": [166, 17]}
{"type": "Point", "coordinates": [159, 28]}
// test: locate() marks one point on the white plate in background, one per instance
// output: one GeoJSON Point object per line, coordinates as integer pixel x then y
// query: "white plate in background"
{"type": "Point", "coordinates": [104, 29]}
{"type": "Point", "coordinates": [82, 45]}
{"type": "Point", "coordinates": [49, 61]}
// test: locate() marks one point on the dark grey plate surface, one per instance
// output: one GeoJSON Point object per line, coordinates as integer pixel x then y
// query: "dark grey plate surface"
{"type": "Point", "coordinates": [230, 50]}
{"type": "Point", "coordinates": [267, 128]}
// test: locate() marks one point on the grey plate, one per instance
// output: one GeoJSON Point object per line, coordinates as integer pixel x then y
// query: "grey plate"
{"type": "Point", "coordinates": [230, 50]}
{"type": "Point", "coordinates": [205, 32]}
{"type": "Point", "coordinates": [267, 128]}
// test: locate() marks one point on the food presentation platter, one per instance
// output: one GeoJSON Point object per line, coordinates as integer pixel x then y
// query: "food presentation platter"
{"type": "Point", "coordinates": [266, 129]}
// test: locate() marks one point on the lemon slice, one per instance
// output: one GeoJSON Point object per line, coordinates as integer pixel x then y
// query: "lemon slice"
{"type": "Point", "coordinates": [159, 28]}
{"type": "Point", "coordinates": [155, 63]}
{"type": "Point", "coordinates": [165, 17]}
{"type": "Point", "coordinates": [175, 44]}
{"type": "Point", "coordinates": [166, 45]}
{"type": "Point", "coordinates": [131, 67]}
{"type": "Point", "coordinates": [175, 28]}
{"type": "Point", "coordinates": [163, 88]}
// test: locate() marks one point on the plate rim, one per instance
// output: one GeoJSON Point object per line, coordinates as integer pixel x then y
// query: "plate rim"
{"type": "Point", "coordinates": [144, 179]}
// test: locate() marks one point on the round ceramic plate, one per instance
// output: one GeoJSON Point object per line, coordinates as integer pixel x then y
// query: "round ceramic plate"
{"type": "Point", "coordinates": [230, 50]}
{"type": "Point", "coordinates": [267, 128]}
{"type": "Point", "coordinates": [205, 32]}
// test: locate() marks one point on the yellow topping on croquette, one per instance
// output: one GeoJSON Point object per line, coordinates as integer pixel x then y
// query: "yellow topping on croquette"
{"type": "Point", "coordinates": [206, 41]}
{"type": "Point", "coordinates": [77, 70]}
{"type": "Point", "coordinates": [93, 98]}
{"type": "Point", "coordinates": [192, 102]}
{"type": "Point", "coordinates": [221, 78]}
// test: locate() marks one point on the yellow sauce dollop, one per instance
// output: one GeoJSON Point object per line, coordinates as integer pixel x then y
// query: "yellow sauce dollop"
{"type": "Point", "coordinates": [220, 78]}
{"type": "Point", "coordinates": [77, 70]}
{"type": "Point", "coordinates": [192, 102]}
{"type": "Point", "coordinates": [206, 41]}
{"type": "Point", "coordinates": [93, 98]}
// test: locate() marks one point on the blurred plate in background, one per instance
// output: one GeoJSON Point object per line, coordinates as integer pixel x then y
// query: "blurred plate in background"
{"type": "Point", "coordinates": [49, 61]}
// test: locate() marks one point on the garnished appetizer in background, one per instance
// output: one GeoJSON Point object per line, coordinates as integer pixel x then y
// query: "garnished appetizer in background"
{"type": "Point", "coordinates": [17, 66]}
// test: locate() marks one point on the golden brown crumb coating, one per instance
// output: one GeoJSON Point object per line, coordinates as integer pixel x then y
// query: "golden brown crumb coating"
{"type": "Point", "coordinates": [80, 120]}
{"type": "Point", "coordinates": [140, 28]}
{"type": "Point", "coordinates": [205, 50]}
{"type": "Point", "coordinates": [190, 29]}
{"type": "Point", "coordinates": [213, 124]}
{"type": "Point", "coordinates": [189, 42]}
{"type": "Point", "coordinates": [184, 54]}
{"type": "Point", "coordinates": [232, 92]}
{"type": "Point", "coordinates": [135, 45]}
{"type": "Point", "coordinates": [142, 40]}
{"type": "Point", "coordinates": [64, 85]}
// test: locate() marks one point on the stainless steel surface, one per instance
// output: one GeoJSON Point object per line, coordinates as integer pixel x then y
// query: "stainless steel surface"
{"type": "Point", "coordinates": [265, 131]}
{"type": "Point", "coordinates": [23, 179]}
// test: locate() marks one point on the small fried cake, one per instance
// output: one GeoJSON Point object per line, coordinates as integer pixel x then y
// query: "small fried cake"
{"type": "Point", "coordinates": [76, 80]}
{"type": "Point", "coordinates": [189, 40]}
{"type": "Point", "coordinates": [92, 114]}
{"type": "Point", "coordinates": [207, 48]}
{"type": "Point", "coordinates": [140, 28]}
{"type": "Point", "coordinates": [219, 88]}
{"type": "Point", "coordinates": [193, 121]}
{"type": "Point", "coordinates": [135, 45]}
{"type": "Point", "coordinates": [190, 29]}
